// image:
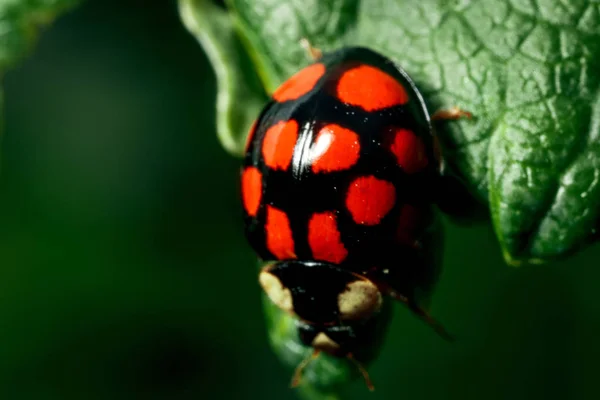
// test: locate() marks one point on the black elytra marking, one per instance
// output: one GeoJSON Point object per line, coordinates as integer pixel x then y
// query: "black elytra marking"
{"type": "Point", "coordinates": [300, 193]}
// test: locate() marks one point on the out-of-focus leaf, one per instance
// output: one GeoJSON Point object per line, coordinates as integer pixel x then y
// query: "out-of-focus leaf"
{"type": "Point", "coordinates": [20, 23]}
{"type": "Point", "coordinates": [240, 96]}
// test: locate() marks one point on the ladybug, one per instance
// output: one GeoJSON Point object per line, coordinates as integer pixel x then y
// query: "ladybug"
{"type": "Point", "coordinates": [337, 189]}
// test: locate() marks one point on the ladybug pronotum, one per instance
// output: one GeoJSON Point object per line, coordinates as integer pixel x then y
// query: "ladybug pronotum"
{"type": "Point", "coordinates": [337, 192]}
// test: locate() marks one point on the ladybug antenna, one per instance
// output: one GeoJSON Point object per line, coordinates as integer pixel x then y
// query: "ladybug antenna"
{"type": "Point", "coordinates": [363, 372]}
{"type": "Point", "coordinates": [298, 373]}
{"type": "Point", "coordinates": [312, 52]}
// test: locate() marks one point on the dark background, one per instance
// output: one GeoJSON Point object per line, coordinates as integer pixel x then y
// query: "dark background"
{"type": "Point", "coordinates": [124, 272]}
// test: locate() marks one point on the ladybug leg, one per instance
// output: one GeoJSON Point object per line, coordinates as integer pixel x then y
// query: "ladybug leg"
{"type": "Point", "coordinates": [424, 315]}
{"type": "Point", "coordinates": [298, 373]}
{"type": "Point", "coordinates": [363, 371]}
{"type": "Point", "coordinates": [312, 52]}
{"type": "Point", "coordinates": [453, 113]}
{"type": "Point", "coordinates": [438, 327]}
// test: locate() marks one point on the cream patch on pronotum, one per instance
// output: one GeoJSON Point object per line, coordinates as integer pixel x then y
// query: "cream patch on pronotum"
{"type": "Point", "coordinates": [278, 294]}
{"type": "Point", "coordinates": [359, 300]}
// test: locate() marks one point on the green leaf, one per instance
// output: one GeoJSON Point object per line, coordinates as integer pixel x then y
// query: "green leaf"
{"type": "Point", "coordinates": [527, 70]}
{"type": "Point", "coordinates": [240, 95]}
{"type": "Point", "coordinates": [20, 22]}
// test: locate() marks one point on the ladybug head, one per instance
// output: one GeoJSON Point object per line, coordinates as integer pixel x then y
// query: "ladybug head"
{"type": "Point", "coordinates": [341, 340]}
{"type": "Point", "coordinates": [320, 293]}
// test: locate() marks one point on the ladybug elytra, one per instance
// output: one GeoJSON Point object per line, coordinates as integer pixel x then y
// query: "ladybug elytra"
{"type": "Point", "coordinates": [337, 187]}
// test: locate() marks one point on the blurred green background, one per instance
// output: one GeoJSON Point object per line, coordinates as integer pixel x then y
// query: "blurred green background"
{"type": "Point", "coordinates": [123, 268]}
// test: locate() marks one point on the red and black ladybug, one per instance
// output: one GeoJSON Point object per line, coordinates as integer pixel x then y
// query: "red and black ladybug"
{"type": "Point", "coordinates": [337, 189]}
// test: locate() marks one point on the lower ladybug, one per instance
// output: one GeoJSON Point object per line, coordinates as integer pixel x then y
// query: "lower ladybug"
{"type": "Point", "coordinates": [337, 191]}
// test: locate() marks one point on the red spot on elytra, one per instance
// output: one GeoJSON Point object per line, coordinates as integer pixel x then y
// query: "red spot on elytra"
{"type": "Point", "coordinates": [369, 199]}
{"type": "Point", "coordinates": [279, 234]}
{"type": "Point", "coordinates": [370, 88]}
{"type": "Point", "coordinates": [408, 149]}
{"type": "Point", "coordinates": [278, 144]}
{"type": "Point", "coordinates": [300, 83]}
{"type": "Point", "coordinates": [324, 238]}
{"type": "Point", "coordinates": [335, 149]}
{"type": "Point", "coordinates": [251, 190]}
{"type": "Point", "coordinates": [250, 136]}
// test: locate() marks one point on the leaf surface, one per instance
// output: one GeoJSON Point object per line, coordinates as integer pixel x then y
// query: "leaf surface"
{"type": "Point", "coordinates": [529, 71]}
